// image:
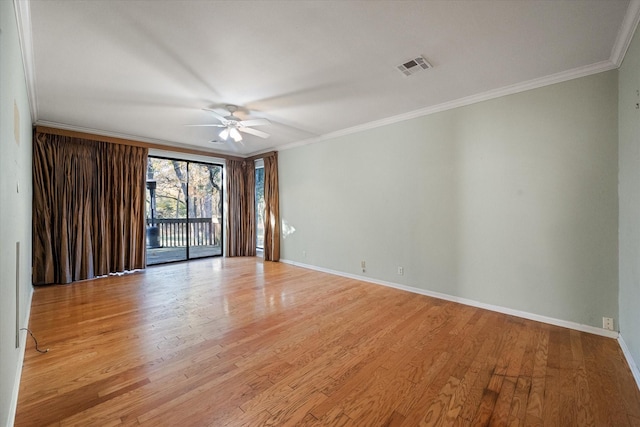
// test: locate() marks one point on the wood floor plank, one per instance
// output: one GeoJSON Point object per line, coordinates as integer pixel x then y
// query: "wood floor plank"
{"type": "Point", "coordinates": [237, 341]}
{"type": "Point", "coordinates": [463, 390]}
{"type": "Point", "coordinates": [535, 403]}
{"type": "Point", "coordinates": [500, 415]}
{"type": "Point", "coordinates": [602, 383]}
{"type": "Point", "coordinates": [518, 410]}
{"type": "Point", "coordinates": [437, 411]}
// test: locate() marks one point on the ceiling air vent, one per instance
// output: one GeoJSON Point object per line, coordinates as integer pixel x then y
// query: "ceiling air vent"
{"type": "Point", "coordinates": [414, 65]}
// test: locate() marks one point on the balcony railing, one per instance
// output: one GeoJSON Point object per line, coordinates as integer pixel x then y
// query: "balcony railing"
{"type": "Point", "coordinates": [177, 232]}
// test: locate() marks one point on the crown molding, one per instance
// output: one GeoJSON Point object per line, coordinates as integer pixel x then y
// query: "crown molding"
{"type": "Point", "coordinates": [25, 35]}
{"type": "Point", "coordinates": [623, 40]}
{"type": "Point", "coordinates": [626, 32]}
{"type": "Point", "coordinates": [563, 76]}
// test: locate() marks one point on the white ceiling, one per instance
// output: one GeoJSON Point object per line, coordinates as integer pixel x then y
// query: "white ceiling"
{"type": "Point", "coordinates": [144, 69]}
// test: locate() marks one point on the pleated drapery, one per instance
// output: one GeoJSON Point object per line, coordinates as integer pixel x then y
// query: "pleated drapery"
{"type": "Point", "coordinates": [241, 216]}
{"type": "Point", "coordinates": [88, 208]}
{"type": "Point", "coordinates": [272, 209]}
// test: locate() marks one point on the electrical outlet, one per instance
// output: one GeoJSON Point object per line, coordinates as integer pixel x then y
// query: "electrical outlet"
{"type": "Point", "coordinates": [400, 271]}
{"type": "Point", "coordinates": [607, 323]}
{"type": "Point", "coordinates": [363, 265]}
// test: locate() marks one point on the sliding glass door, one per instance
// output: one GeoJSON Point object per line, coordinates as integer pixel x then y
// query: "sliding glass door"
{"type": "Point", "coordinates": [184, 210]}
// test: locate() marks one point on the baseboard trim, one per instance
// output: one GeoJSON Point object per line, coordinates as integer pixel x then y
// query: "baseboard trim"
{"type": "Point", "coordinates": [632, 363]}
{"type": "Point", "coordinates": [23, 345]}
{"type": "Point", "coordinates": [499, 309]}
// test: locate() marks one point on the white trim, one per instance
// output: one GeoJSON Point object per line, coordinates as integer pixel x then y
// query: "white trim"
{"type": "Point", "coordinates": [626, 32]}
{"type": "Point", "coordinates": [462, 102]}
{"type": "Point", "coordinates": [632, 364]}
{"type": "Point", "coordinates": [465, 301]}
{"type": "Point", "coordinates": [560, 77]}
{"type": "Point", "coordinates": [618, 51]}
{"type": "Point", "coordinates": [16, 382]}
{"type": "Point", "coordinates": [25, 36]}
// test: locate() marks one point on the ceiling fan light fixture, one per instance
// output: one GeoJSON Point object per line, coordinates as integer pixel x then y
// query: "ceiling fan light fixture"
{"type": "Point", "coordinates": [235, 135]}
{"type": "Point", "coordinates": [231, 126]}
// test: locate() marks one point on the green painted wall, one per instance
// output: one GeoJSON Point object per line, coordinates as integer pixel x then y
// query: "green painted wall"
{"type": "Point", "coordinates": [629, 193]}
{"type": "Point", "coordinates": [511, 202]}
{"type": "Point", "coordinates": [15, 206]}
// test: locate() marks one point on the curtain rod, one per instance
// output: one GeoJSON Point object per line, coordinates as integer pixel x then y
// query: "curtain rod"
{"type": "Point", "coordinates": [262, 156]}
{"type": "Point", "coordinates": [123, 141]}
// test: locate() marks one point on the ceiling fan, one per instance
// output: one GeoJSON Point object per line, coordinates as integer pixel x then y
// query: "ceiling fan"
{"type": "Point", "coordinates": [232, 125]}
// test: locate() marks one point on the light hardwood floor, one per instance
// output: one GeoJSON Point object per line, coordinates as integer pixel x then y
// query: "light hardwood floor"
{"type": "Point", "coordinates": [237, 341]}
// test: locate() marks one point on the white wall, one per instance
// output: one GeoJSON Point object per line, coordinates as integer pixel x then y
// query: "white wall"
{"type": "Point", "coordinates": [629, 193]}
{"type": "Point", "coordinates": [511, 202]}
{"type": "Point", "coordinates": [15, 207]}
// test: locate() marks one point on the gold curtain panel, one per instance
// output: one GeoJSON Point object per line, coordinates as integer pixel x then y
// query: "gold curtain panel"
{"type": "Point", "coordinates": [272, 209]}
{"type": "Point", "coordinates": [241, 218]}
{"type": "Point", "coordinates": [88, 208]}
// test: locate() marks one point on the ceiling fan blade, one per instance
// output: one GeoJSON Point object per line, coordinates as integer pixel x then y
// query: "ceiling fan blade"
{"type": "Point", "coordinates": [254, 122]}
{"type": "Point", "coordinates": [255, 132]}
{"type": "Point", "coordinates": [217, 126]}
{"type": "Point", "coordinates": [216, 114]}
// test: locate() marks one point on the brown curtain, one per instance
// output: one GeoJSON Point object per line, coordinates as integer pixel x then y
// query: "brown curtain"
{"type": "Point", "coordinates": [88, 208]}
{"type": "Point", "coordinates": [241, 215]}
{"type": "Point", "coordinates": [272, 209]}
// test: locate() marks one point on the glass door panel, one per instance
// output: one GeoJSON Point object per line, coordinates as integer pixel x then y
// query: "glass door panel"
{"type": "Point", "coordinates": [166, 210]}
{"type": "Point", "coordinates": [205, 210]}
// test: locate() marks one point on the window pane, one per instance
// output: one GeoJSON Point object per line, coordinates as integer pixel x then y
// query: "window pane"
{"type": "Point", "coordinates": [260, 208]}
